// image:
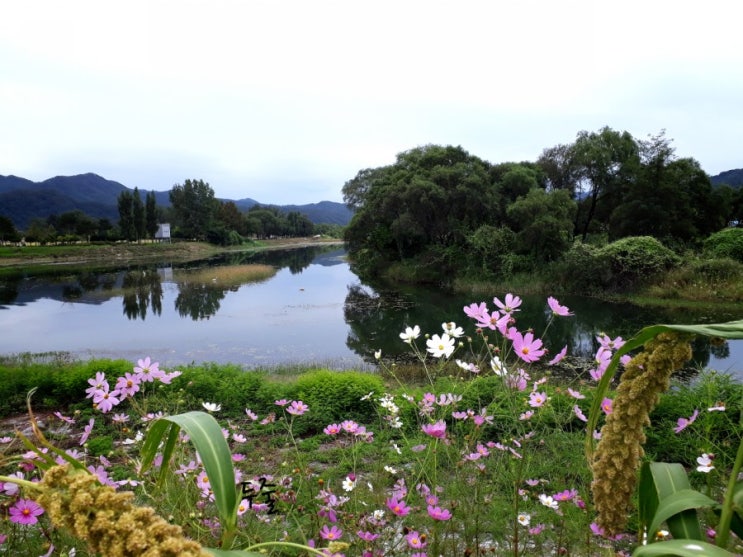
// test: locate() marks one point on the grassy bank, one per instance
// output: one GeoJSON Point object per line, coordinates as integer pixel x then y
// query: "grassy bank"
{"type": "Point", "coordinates": [454, 463]}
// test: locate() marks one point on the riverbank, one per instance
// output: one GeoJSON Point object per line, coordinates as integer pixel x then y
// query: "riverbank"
{"type": "Point", "coordinates": [102, 255]}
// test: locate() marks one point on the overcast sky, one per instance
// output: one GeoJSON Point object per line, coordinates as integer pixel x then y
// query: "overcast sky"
{"type": "Point", "coordinates": [284, 101]}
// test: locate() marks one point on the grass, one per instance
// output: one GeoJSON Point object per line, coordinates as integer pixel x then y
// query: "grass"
{"type": "Point", "coordinates": [226, 276]}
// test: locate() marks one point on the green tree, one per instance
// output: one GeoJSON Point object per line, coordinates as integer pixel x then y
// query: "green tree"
{"type": "Point", "coordinates": [151, 214]}
{"type": "Point", "coordinates": [138, 216]}
{"type": "Point", "coordinates": [229, 216]}
{"type": "Point", "coordinates": [608, 161]}
{"type": "Point", "coordinates": [126, 215]}
{"type": "Point", "coordinates": [424, 206]}
{"type": "Point", "coordinates": [543, 223]}
{"type": "Point", "coordinates": [8, 232]}
{"type": "Point", "coordinates": [39, 230]}
{"type": "Point", "coordinates": [194, 208]}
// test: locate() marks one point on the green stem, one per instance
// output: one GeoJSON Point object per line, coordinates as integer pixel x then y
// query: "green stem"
{"type": "Point", "coordinates": [285, 544]}
{"type": "Point", "coordinates": [22, 483]}
{"type": "Point", "coordinates": [723, 527]}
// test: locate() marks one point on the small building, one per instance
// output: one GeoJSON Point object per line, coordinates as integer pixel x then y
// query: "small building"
{"type": "Point", "coordinates": [163, 232]}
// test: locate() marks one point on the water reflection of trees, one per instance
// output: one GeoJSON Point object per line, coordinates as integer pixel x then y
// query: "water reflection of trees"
{"type": "Point", "coordinates": [198, 300]}
{"type": "Point", "coordinates": [142, 290]}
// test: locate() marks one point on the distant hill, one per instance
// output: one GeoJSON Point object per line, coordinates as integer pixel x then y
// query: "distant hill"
{"type": "Point", "coordinates": [733, 178]}
{"type": "Point", "coordinates": [22, 200]}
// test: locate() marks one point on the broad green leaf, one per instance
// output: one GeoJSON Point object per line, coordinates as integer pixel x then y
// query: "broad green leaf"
{"type": "Point", "coordinates": [681, 548]}
{"type": "Point", "coordinates": [206, 436]}
{"type": "Point", "coordinates": [729, 330]}
{"type": "Point", "coordinates": [660, 481]}
{"type": "Point", "coordinates": [676, 504]}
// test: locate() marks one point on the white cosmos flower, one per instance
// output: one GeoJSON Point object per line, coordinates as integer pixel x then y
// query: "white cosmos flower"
{"type": "Point", "coordinates": [410, 334]}
{"type": "Point", "coordinates": [211, 406]}
{"type": "Point", "coordinates": [390, 470]}
{"type": "Point", "coordinates": [452, 330]}
{"type": "Point", "coordinates": [439, 346]}
{"type": "Point", "coordinates": [705, 463]}
{"type": "Point", "coordinates": [498, 367]}
{"type": "Point", "coordinates": [349, 484]}
{"type": "Point", "coordinates": [548, 501]}
{"type": "Point", "coordinates": [377, 354]}
{"type": "Point", "coordinates": [524, 519]}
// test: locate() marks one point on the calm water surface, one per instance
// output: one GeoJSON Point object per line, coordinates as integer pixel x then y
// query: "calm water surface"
{"type": "Point", "coordinates": [313, 310]}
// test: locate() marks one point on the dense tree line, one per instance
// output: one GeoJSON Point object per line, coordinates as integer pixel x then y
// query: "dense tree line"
{"type": "Point", "coordinates": [440, 211]}
{"type": "Point", "coordinates": [197, 214]}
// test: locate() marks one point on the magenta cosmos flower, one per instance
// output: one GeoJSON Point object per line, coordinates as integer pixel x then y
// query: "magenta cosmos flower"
{"type": "Point", "coordinates": [437, 513]}
{"type": "Point", "coordinates": [415, 540]}
{"type": "Point", "coordinates": [509, 305]}
{"type": "Point", "coordinates": [25, 511]}
{"type": "Point", "coordinates": [397, 506]}
{"type": "Point", "coordinates": [527, 347]}
{"type": "Point", "coordinates": [556, 308]}
{"type": "Point", "coordinates": [332, 533]}
{"type": "Point", "coordinates": [297, 407]}
{"type": "Point", "coordinates": [683, 423]}
{"type": "Point", "coordinates": [437, 429]}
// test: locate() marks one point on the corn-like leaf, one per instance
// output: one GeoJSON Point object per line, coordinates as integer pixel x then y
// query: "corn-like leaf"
{"type": "Point", "coordinates": [676, 503]}
{"type": "Point", "coordinates": [658, 486]}
{"type": "Point", "coordinates": [729, 330]}
{"type": "Point", "coordinates": [206, 436]}
{"type": "Point", "coordinates": [680, 548]}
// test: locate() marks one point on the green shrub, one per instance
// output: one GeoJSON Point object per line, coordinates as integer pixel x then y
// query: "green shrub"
{"type": "Point", "coordinates": [582, 269]}
{"type": "Point", "coordinates": [635, 259]}
{"type": "Point", "coordinates": [335, 396]}
{"type": "Point", "coordinates": [717, 270]}
{"type": "Point", "coordinates": [725, 243]}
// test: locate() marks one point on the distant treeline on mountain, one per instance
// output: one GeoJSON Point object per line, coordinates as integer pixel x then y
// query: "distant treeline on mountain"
{"type": "Point", "coordinates": [732, 178]}
{"type": "Point", "coordinates": [23, 200]}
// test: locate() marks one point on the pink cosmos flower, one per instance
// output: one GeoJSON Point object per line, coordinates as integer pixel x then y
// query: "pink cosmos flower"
{"type": "Point", "coordinates": [64, 418]}
{"type": "Point", "coordinates": [510, 305]}
{"type": "Point", "coordinates": [537, 399]}
{"type": "Point", "coordinates": [297, 407]}
{"type": "Point", "coordinates": [610, 343]}
{"type": "Point", "coordinates": [437, 513]}
{"type": "Point", "coordinates": [556, 308]}
{"type": "Point", "coordinates": [397, 506]}
{"type": "Point", "coordinates": [566, 495]}
{"type": "Point", "coordinates": [493, 321]}
{"type": "Point", "coordinates": [281, 402]}
{"type": "Point", "coordinates": [414, 540]}
{"type": "Point", "coordinates": [105, 400]}
{"type": "Point", "coordinates": [579, 413]}
{"type": "Point", "coordinates": [683, 423]}
{"type": "Point", "coordinates": [527, 347]}
{"type": "Point", "coordinates": [25, 511]}
{"type": "Point", "coordinates": [526, 415]}
{"type": "Point", "coordinates": [332, 429]}
{"type": "Point", "coordinates": [252, 415]}
{"type": "Point", "coordinates": [96, 383]}
{"type": "Point", "coordinates": [606, 406]}
{"type": "Point", "coordinates": [332, 533]}
{"type": "Point", "coordinates": [147, 370]}
{"type": "Point", "coordinates": [475, 311]}
{"type": "Point", "coordinates": [367, 536]}
{"type": "Point", "coordinates": [437, 429]}
{"type": "Point", "coordinates": [575, 394]}
{"type": "Point", "coordinates": [349, 426]}
{"type": "Point", "coordinates": [127, 385]}
{"type": "Point", "coordinates": [560, 355]}
{"type": "Point", "coordinates": [87, 430]}
{"type": "Point", "coordinates": [536, 530]}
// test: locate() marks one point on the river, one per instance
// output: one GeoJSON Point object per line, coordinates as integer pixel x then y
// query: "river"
{"type": "Point", "coordinates": [313, 310]}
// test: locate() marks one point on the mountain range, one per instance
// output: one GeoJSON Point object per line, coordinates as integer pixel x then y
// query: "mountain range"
{"type": "Point", "coordinates": [22, 200]}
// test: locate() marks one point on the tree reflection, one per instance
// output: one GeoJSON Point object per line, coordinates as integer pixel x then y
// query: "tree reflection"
{"type": "Point", "coordinates": [198, 300]}
{"type": "Point", "coordinates": [142, 291]}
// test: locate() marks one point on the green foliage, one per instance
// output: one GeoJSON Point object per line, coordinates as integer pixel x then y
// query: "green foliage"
{"type": "Point", "coordinates": [725, 243]}
{"type": "Point", "coordinates": [194, 208]}
{"type": "Point", "coordinates": [334, 396]}
{"type": "Point", "coordinates": [100, 445]}
{"type": "Point", "coordinates": [635, 259]}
